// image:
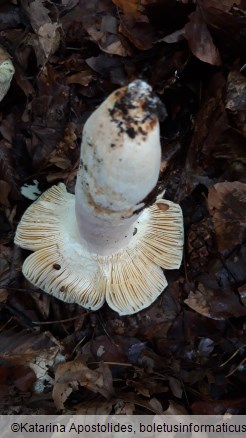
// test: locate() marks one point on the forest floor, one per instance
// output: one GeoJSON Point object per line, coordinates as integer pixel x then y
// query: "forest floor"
{"type": "Point", "coordinates": [186, 352]}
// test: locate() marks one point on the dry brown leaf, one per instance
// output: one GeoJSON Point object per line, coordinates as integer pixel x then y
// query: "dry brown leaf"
{"type": "Point", "coordinates": [138, 30]}
{"type": "Point", "coordinates": [71, 375]}
{"type": "Point", "coordinates": [33, 350]}
{"type": "Point", "coordinates": [123, 408]}
{"type": "Point", "coordinates": [133, 7]}
{"type": "Point", "coordinates": [200, 40]}
{"type": "Point", "coordinates": [61, 392]}
{"type": "Point", "coordinates": [108, 66]}
{"type": "Point", "coordinates": [175, 409]}
{"type": "Point", "coordinates": [37, 13]}
{"type": "Point", "coordinates": [49, 38]}
{"type": "Point", "coordinates": [81, 77]}
{"type": "Point", "coordinates": [48, 33]}
{"type": "Point", "coordinates": [223, 5]}
{"type": "Point", "coordinates": [176, 387]}
{"type": "Point", "coordinates": [216, 304]}
{"type": "Point", "coordinates": [156, 405]}
{"type": "Point", "coordinates": [227, 206]}
{"type": "Point", "coordinates": [108, 43]}
{"type": "Point", "coordinates": [174, 37]}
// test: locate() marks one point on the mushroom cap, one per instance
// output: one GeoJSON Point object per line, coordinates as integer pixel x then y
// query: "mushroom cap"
{"type": "Point", "coordinates": [7, 71]}
{"type": "Point", "coordinates": [61, 265]}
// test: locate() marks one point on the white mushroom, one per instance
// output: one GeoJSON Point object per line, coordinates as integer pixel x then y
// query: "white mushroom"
{"type": "Point", "coordinates": [102, 243]}
{"type": "Point", "coordinates": [7, 71]}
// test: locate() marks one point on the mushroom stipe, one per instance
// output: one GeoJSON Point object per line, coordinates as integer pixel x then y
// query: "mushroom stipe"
{"type": "Point", "coordinates": [95, 246]}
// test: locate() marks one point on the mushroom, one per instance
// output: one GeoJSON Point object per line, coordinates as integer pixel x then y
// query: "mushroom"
{"type": "Point", "coordinates": [6, 73]}
{"type": "Point", "coordinates": [104, 243]}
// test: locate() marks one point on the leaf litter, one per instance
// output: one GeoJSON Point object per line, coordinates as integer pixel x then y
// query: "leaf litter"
{"type": "Point", "coordinates": [185, 353]}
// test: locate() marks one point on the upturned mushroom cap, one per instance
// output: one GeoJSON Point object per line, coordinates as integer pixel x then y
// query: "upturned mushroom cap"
{"type": "Point", "coordinates": [101, 244]}
{"type": "Point", "coordinates": [6, 73]}
{"type": "Point", "coordinates": [130, 280]}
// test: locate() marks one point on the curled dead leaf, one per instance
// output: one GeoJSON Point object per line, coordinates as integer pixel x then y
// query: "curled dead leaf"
{"type": "Point", "coordinates": [69, 376]}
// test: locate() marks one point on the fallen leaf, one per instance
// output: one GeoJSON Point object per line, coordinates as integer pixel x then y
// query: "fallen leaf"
{"type": "Point", "coordinates": [175, 409]}
{"type": "Point", "coordinates": [129, 6]}
{"type": "Point", "coordinates": [174, 37]}
{"type": "Point", "coordinates": [69, 376]}
{"type": "Point", "coordinates": [81, 77]}
{"type": "Point", "coordinates": [224, 5]}
{"type": "Point", "coordinates": [103, 348]}
{"type": "Point", "coordinates": [176, 387]}
{"type": "Point", "coordinates": [48, 33]}
{"type": "Point", "coordinates": [156, 405]}
{"type": "Point", "coordinates": [31, 350]}
{"type": "Point", "coordinates": [216, 304]}
{"type": "Point", "coordinates": [227, 206]}
{"type": "Point", "coordinates": [138, 30]}
{"type": "Point", "coordinates": [200, 40]}
{"type": "Point", "coordinates": [107, 42]}
{"type": "Point", "coordinates": [49, 38]}
{"type": "Point", "coordinates": [107, 67]}
{"type": "Point", "coordinates": [37, 12]}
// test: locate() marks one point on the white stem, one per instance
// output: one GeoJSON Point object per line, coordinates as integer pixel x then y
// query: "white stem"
{"type": "Point", "coordinates": [120, 162]}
